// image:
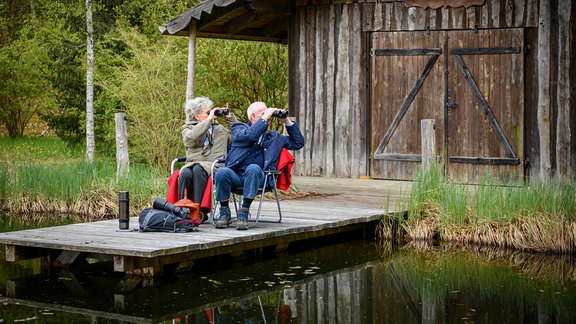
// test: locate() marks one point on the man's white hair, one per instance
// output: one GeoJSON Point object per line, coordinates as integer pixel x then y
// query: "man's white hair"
{"type": "Point", "coordinates": [254, 107]}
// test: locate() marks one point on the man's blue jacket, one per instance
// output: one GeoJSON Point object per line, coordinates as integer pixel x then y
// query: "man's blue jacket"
{"type": "Point", "coordinates": [254, 144]}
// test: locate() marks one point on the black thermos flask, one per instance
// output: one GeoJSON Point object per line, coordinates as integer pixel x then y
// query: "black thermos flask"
{"type": "Point", "coordinates": [124, 209]}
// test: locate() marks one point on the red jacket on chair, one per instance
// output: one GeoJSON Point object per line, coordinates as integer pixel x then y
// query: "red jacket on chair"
{"type": "Point", "coordinates": [285, 163]}
{"type": "Point", "coordinates": [172, 195]}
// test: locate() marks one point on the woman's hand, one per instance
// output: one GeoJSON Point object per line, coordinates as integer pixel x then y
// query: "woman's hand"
{"type": "Point", "coordinates": [213, 112]}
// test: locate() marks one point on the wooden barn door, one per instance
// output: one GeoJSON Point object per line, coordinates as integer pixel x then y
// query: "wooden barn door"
{"type": "Point", "coordinates": [470, 82]}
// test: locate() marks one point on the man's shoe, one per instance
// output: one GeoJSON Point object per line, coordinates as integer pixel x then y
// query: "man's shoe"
{"type": "Point", "coordinates": [224, 218]}
{"type": "Point", "coordinates": [243, 215]}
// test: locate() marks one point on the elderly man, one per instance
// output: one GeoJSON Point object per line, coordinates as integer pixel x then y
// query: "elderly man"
{"type": "Point", "coordinates": [254, 149]}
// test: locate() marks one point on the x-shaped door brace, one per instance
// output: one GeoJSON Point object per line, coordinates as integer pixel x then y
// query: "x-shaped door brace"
{"type": "Point", "coordinates": [434, 54]}
{"type": "Point", "coordinates": [457, 53]}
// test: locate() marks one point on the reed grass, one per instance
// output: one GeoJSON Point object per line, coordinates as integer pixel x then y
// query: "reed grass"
{"type": "Point", "coordinates": [536, 216]}
{"type": "Point", "coordinates": [40, 187]}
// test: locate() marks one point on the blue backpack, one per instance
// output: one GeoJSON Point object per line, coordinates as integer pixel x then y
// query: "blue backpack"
{"type": "Point", "coordinates": [157, 220]}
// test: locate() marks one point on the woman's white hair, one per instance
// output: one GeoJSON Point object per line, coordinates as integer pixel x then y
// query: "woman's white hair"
{"type": "Point", "coordinates": [194, 106]}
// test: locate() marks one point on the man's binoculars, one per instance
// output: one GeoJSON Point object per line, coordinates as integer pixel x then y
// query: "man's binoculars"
{"type": "Point", "coordinates": [221, 112]}
{"type": "Point", "coordinates": [280, 114]}
{"type": "Point", "coordinates": [162, 204]}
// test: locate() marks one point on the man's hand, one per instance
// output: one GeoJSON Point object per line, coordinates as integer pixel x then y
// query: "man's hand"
{"type": "Point", "coordinates": [268, 113]}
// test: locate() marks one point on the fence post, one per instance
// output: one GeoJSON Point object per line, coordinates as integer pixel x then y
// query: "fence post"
{"type": "Point", "coordinates": [122, 161]}
{"type": "Point", "coordinates": [428, 138]}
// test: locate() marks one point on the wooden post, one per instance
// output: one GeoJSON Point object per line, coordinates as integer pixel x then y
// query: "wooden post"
{"type": "Point", "coordinates": [122, 161]}
{"type": "Point", "coordinates": [564, 137]}
{"type": "Point", "coordinates": [428, 138]}
{"type": "Point", "coordinates": [544, 86]}
{"type": "Point", "coordinates": [191, 60]}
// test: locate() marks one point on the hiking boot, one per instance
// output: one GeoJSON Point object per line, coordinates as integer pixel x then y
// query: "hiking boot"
{"type": "Point", "coordinates": [243, 215]}
{"type": "Point", "coordinates": [224, 218]}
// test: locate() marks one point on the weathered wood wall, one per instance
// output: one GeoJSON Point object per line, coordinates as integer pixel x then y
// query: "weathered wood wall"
{"type": "Point", "coordinates": [328, 89]}
{"type": "Point", "coordinates": [329, 76]}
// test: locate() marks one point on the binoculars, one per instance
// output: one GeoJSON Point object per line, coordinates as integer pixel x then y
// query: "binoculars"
{"type": "Point", "coordinates": [221, 112]}
{"type": "Point", "coordinates": [280, 114]}
{"type": "Point", "coordinates": [162, 204]}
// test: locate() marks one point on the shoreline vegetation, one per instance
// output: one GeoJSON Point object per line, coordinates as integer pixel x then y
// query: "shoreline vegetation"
{"type": "Point", "coordinates": [44, 182]}
{"type": "Point", "coordinates": [532, 217]}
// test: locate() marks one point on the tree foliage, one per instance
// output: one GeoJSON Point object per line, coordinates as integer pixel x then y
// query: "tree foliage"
{"type": "Point", "coordinates": [241, 72]}
{"type": "Point", "coordinates": [148, 84]}
{"type": "Point", "coordinates": [23, 88]}
{"type": "Point", "coordinates": [137, 70]}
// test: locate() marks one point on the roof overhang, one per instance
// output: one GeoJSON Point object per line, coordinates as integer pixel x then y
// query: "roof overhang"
{"type": "Point", "coordinates": [257, 20]}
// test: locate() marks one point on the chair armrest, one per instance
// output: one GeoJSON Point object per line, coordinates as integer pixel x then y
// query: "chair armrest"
{"type": "Point", "coordinates": [270, 172]}
{"type": "Point", "coordinates": [213, 167]}
{"type": "Point", "coordinates": [176, 160]}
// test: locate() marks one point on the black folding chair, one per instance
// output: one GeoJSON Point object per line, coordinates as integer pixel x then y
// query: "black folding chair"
{"type": "Point", "coordinates": [270, 176]}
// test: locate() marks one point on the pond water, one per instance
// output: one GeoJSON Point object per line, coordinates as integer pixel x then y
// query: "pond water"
{"type": "Point", "coordinates": [338, 280]}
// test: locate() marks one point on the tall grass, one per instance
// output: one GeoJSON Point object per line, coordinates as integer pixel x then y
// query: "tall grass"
{"type": "Point", "coordinates": [536, 216]}
{"type": "Point", "coordinates": [39, 184]}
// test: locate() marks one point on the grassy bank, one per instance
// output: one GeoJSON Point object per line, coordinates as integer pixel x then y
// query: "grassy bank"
{"type": "Point", "coordinates": [44, 181]}
{"type": "Point", "coordinates": [532, 217]}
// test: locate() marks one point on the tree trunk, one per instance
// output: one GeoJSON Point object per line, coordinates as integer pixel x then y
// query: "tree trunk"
{"type": "Point", "coordinates": [89, 84]}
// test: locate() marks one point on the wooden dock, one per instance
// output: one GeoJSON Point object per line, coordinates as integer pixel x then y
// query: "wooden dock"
{"type": "Point", "coordinates": [345, 204]}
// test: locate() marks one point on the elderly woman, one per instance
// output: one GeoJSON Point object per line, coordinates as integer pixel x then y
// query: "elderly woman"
{"type": "Point", "coordinates": [205, 140]}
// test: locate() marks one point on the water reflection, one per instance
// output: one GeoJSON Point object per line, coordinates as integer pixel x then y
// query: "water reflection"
{"type": "Point", "coordinates": [352, 282]}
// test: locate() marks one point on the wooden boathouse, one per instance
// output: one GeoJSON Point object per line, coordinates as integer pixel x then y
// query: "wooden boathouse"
{"type": "Point", "coordinates": [497, 77]}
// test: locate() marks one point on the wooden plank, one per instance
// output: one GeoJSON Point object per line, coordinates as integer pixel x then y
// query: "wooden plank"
{"type": "Point", "coordinates": [308, 74]}
{"type": "Point", "coordinates": [318, 138]}
{"type": "Point", "coordinates": [294, 95]}
{"type": "Point", "coordinates": [302, 95]}
{"type": "Point", "coordinates": [564, 130]}
{"type": "Point", "coordinates": [329, 134]}
{"type": "Point", "coordinates": [358, 106]}
{"type": "Point", "coordinates": [342, 96]}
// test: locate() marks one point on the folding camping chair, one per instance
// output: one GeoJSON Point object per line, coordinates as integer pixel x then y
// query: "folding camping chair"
{"type": "Point", "coordinates": [270, 176]}
{"type": "Point", "coordinates": [172, 196]}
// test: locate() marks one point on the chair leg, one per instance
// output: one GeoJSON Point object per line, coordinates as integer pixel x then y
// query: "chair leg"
{"type": "Point", "coordinates": [213, 207]}
{"type": "Point", "coordinates": [278, 204]}
{"type": "Point", "coordinates": [259, 208]}
{"type": "Point", "coordinates": [236, 200]}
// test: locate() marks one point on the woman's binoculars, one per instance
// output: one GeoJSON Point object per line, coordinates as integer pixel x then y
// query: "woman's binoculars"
{"type": "Point", "coordinates": [221, 112]}
{"type": "Point", "coordinates": [162, 204]}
